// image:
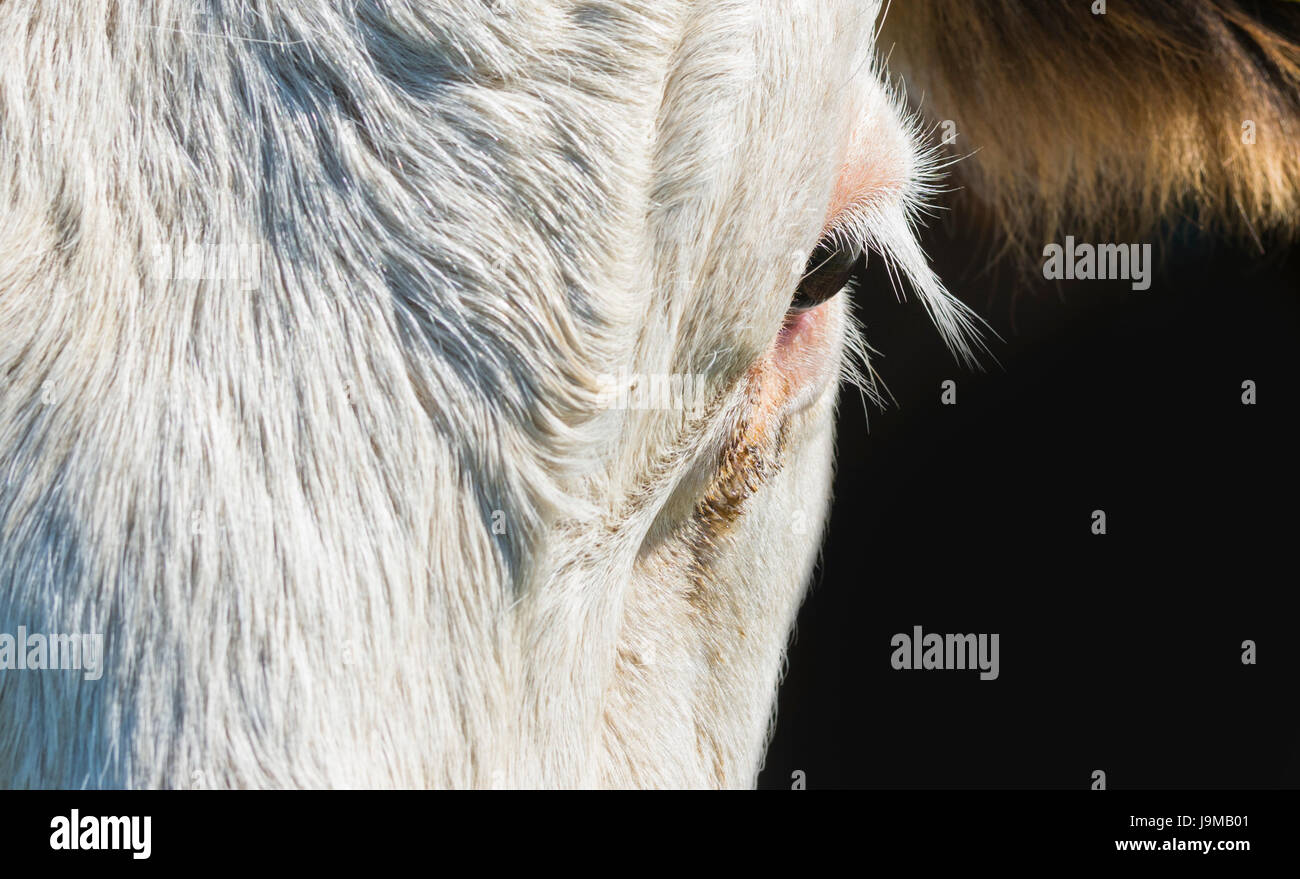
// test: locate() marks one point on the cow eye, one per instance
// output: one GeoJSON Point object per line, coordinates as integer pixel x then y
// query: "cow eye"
{"type": "Point", "coordinates": [829, 268]}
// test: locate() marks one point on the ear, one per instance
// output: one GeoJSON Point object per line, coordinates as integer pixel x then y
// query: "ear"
{"type": "Point", "coordinates": [1111, 121]}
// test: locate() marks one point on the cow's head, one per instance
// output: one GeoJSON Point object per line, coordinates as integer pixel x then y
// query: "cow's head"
{"type": "Point", "coordinates": [696, 206]}
{"type": "Point", "coordinates": [489, 438]}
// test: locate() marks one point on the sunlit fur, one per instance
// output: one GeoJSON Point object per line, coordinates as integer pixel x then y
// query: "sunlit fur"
{"type": "Point", "coordinates": [1110, 124]}
{"type": "Point", "coordinates": [424, 231]}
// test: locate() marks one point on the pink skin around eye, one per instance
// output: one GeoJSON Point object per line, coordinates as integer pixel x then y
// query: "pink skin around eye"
{"type": "Point", "coordinates": [876, 168]}
{"type": "Point", "coordinates": [807, 352]}
{"type": "Point", "coordinates": [805, 356]}
{"type": "Point", "coordinates": [802, 363]}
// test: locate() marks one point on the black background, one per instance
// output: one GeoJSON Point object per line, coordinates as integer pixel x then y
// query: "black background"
{"type": "Point", "coordinates": [1119, 652]}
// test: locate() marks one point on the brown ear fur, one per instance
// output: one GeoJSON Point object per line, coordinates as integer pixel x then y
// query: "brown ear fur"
{"type": "Point", "coordinates": [1111, 122]}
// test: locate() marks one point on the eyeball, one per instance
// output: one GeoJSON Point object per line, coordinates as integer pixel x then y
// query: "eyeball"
{"type": "Point", "coordinates": [830, 267]}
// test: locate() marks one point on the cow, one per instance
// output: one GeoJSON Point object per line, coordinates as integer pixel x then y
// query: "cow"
{"type": "Point", "coordinates": [440, 393]}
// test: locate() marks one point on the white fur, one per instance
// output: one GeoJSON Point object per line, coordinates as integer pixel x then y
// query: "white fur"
{"type": "Point", "coordinates": [425, 231]}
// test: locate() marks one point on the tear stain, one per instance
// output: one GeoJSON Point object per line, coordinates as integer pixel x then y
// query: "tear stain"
{"type": "Point", "coordinates": [750, 457]}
